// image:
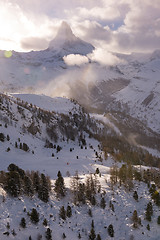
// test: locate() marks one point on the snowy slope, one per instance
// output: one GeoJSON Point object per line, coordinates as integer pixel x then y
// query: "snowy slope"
{"type": "Point", "coordinates": [143, 93]}
{"type": "Point", "coordinates": [16, 114]}
{"type": "Point", "coordinates": [57, 104]}
{"type": "Point", "coordinates": [33, 124]}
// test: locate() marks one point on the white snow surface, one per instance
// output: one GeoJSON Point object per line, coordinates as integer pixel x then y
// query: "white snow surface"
{"type": "Point", "coordinates": [57, 104]}
{"type": "Point", "coordinates": [12, 209]}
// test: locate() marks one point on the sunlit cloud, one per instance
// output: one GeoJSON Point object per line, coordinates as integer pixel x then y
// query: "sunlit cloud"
{"type": "Point", "coordinates": [125, 26]}
{"type": "Point", "coordinates": [75, 59]}
{"type": "Point", "coordinates": [107, 13]}
{"type": "Point", "coordinates": [34, 43]}
{"type": "Point", "coordinates": [104, 57]}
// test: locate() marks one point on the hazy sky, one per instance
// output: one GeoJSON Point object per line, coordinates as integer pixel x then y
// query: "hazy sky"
{"type": "Point", "coordinates": [123, 25]}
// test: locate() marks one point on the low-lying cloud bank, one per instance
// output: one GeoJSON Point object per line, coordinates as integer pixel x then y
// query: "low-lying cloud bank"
{"type": "Point", "coordinates": [75, 59]}
{"type": "Point", "coordinates": [99, 55]}
{"type": "Point", "coordinates": [104, 57]}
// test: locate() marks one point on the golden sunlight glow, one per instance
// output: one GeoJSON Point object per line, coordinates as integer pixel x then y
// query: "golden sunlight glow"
{"type": "Point", "coordinates": [15, 26]}
{"type": "Point", "coordinates": [8, 54]}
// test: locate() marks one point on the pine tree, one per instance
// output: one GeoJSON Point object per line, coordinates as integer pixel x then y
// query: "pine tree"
{"type": "Point", "coordinates": [49, 234]}
{"type": "Point", "coordinates": [8, 138]}
{"type": "Point", "coordinates": [112, 207]}
{"type": "Point", "coordinates": [8, 149]}
{"type": "Point", "coordinates": [28, 186]}
{"type": "Point", "coordinates": [148, 227]}
{"type": "Point", "coordinates": [114, 175]}
{"type": "Point", "coordinates": [59, 185]}
{"type": "Point", "coordinates": [93, 200]}
{"type": "Point", "coordinates": [13, 232]}
{"type": "Point", "coordinates": [123, 173]}
{"type": "Point", "coordinates": [16, 145]}
{"type": "Point", "coordinates": [149, 211]}
{"type": "Point", "coordinates": [90, 212]}
{"type": "Point", "coordinates": [98, 237]}
{"type": "Point", "coordinates": [63, 235]}
{"type": "Point", "coordinates": [111, 230]}
{"type": "Point", "coordinates": [20, 146]}
{"type": "Point", "coordinates": [62, 213]}
{"type": "Point", "coordinates": [97, 170]}
{"type": "Point", "coordinates": [34, 216]}
{"type": "Point", "coordinates": [81, 193]}
{"type": "Point", "coordinates": [25, 147]}
{"type": "Point", "coordinates": [69, 211]}
{"type": "Point", "coordinates": [13, 184]}
{"type": "Point", "coordinates": [2, 137]}
{"type": "Point", "coordinates": [135, 195]}
{"type": "Point", "coordinates": [158, 220]}
{"type": "Point", "coordinates": [30, 238]}
{"type": "Point", "coordinates": [8, 225]}
{"type": "Point", "coordinates": [36, 181]}
{"type": "Point", "coordinates": [23, 222]}
{"type": "Point", "coordinates": [75, 187]}
{"type": "Point", "coordinates": [135, 219]}
{"type": "Point", "coordinates": [92, 234]}
{"type": "Point", "coordinates": [43, 192]}
{"type": "Point", "coordinates": [92, 224]}
{"type": "Point", "coordinates": [103, 203]}
{"type": "Point", "coordinates": [45, 223]}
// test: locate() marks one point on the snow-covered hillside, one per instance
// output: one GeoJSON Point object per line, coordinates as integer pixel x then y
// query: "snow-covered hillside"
{"type": "Point", "coordinates": [57, 104]}
{"type": "Point", "coordinates": [60, 137]}
{"type": "Point", "coordinates": [44, 123]}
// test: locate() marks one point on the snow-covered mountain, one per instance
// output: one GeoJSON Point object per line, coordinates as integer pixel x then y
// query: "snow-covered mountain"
{"type": "Point", "coordinates": [66, 42]}
{"type": "Point", "coordinates": [110, 193]}
{"type": "Point", "coordinates": [130, 88]}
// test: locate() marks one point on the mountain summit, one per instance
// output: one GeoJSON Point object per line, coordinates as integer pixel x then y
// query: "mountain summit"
{"type": "Point", "coordinates": [64, 35]}
{"type": "Point", "coordinates": [67, 43]}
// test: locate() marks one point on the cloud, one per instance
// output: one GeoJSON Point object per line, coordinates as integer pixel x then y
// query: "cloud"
{"type": "Point", "coordinates": [71, 83]}
{"type": "Point", "coordinates": [104, 57]}
{"type": "Point", "coordinates": [124, 25]}
{"type": "Point", "coordinates": [100, 13]}
{"type": "Point", "coordinates": [91, 30]}
{"type": "Point", "coordinates": [17, 23]}
{"type": "Point", "coordinates": [34, 43]}
{"type": "Point", "coordinates": [140, 31]}
{"type": "Point", "coordinates": [75, 59]}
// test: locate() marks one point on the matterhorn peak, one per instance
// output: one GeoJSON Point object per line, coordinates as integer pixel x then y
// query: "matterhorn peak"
{"type": "Point", "coordinates": [65, 40]}
{"type": "Point", "coordinates": [65, 31]}
{"type": "Point", "coordinates": [64, 35]}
